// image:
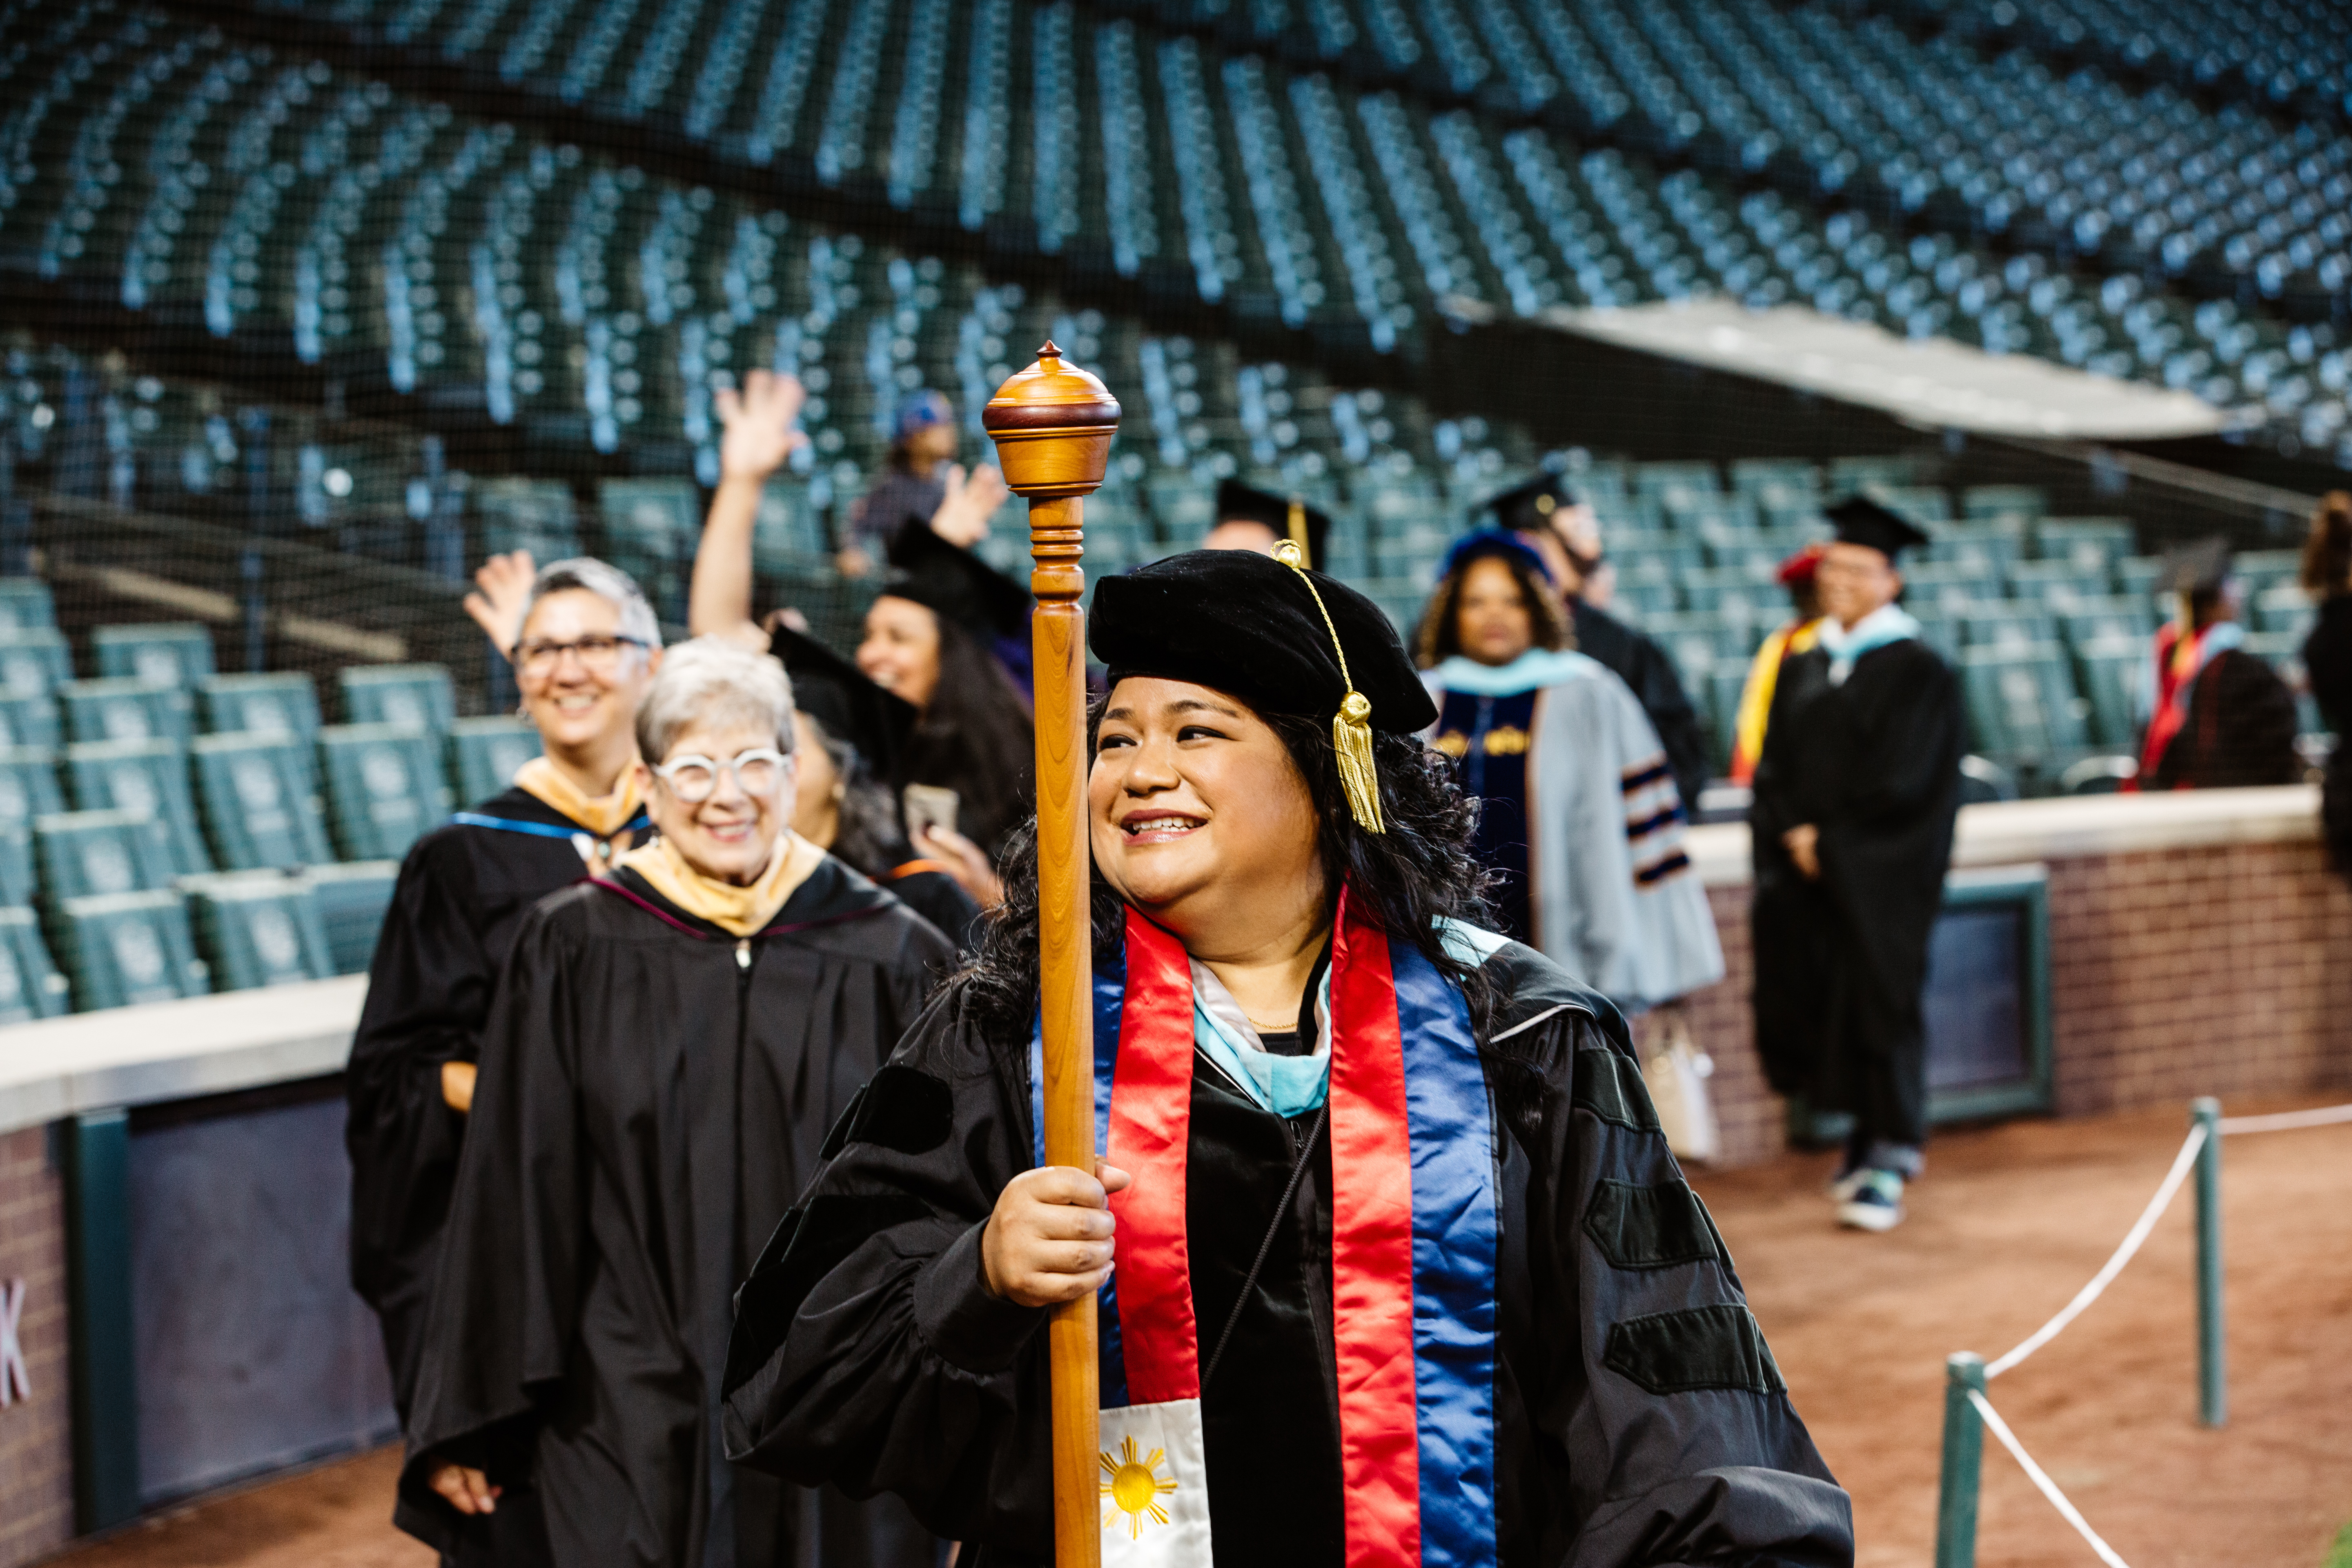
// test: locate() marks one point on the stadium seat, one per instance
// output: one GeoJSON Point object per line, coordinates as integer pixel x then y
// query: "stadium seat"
{"type": "Point", "coordinates": [267, 704]}
{"type": "Point", "coordinates": [485, 752]}
{"type": "Point", "coordinates": [260, 800]}
{"type": "Point", "coordinates": [26, 605]}
{"type": "Point", "coordinates": [417, 695]}
{"type": "Point", "coordinates": [2112, 669]}
{"type": "Point", "coordinates": [259, 928]}
{"type": "Point", "coordinates": [126, 709]}
{"type": "Point", "coordinates": [28, 789]}
{"type": "Point", "coordinates": [30, 985]}
{"type": "Point", "coordinates": [351, 899]}
{"type": "Point", "coordinates": [170, 654]}
{"type": "Point", "coordinates": [2022, 702]}
{"type": "Point", "coordinates": [650, 528]}
{"type": "Point", "coordinates": [121, 949]}
{"type": "Point", "coordinates": [148, 777]}
{"type": "Point", "coordinates": [34, 661]}
{"type": "Point", "coordinates": [83, 853]}
{"type": "Point", "coordinates": [385, 787]}
{"type": "Point", "coordinates": [30, 720]}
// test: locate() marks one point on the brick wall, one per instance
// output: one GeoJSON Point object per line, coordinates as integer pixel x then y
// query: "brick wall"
{"type": "Point", "coordinates": [2221, 969]}
{"type": "Point", "coordinates": [36, 1435]}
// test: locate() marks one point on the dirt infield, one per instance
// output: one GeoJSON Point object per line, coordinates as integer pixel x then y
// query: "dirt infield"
{"type": "Point", "coordinates": [2011, 1221]}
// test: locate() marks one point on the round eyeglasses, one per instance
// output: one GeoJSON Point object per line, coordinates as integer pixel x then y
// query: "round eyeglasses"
{"type": "Point", "coordinates": [693, 779]}
{"type": "Point", "coordinates": [597, 655]}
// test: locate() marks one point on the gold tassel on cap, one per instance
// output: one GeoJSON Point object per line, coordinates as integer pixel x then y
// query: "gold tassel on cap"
{"type": "Point", "coordinates": [1299, 532]}
{"type": "Point", "coordinates": [1352, 726]}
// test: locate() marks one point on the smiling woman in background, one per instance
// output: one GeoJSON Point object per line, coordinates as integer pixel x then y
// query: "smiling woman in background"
{"type": "Point", "coordinates": [1579, 824]}
{"type": "Point", "coordinates": [587, 648]}
{"type": "Point", "coordinates": [669, 1045]}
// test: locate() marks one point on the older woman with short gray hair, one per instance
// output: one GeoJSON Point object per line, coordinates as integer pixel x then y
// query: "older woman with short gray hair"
{"type": "Point", "coordinates": [671, 1044]}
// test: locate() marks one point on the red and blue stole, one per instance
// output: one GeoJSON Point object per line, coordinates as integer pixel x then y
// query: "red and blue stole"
{"type": "Point", "coordinates": [1413, 1233]}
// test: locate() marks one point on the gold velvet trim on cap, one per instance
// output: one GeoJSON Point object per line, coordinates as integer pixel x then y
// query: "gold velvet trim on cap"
{"type": "Point", "coordinates": [1351, 727]}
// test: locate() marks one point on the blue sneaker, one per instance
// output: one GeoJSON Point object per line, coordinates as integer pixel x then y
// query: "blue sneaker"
{"type": "Point", "coordinates": [1875, 1202]}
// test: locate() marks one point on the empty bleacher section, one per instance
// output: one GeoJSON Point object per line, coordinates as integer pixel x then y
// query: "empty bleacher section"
{"type": "Point", "coordinates": [304, 309]}
{"type": "Point", "coordinates": [193, 854]}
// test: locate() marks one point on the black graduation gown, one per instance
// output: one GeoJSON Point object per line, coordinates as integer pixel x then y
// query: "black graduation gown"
{"type": "Point", "coordinates": [2240, 730]}
{"type": "Point", "coordinates": [869, 1353]}
{"type": "Point", "coordinates": [653, 1095]}
{"type": "Point", "coordinates": [463, 891]}
{"type": "Point", "coordinates": [1638, 661]}
{"type": "Point", "coordinates": [2327, 662]}
{"type": "Point", "coordinates": [1876, 766]}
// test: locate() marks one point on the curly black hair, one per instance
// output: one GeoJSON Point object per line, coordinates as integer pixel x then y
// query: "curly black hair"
{"type": "Point", "coordinates": [1421, 870]}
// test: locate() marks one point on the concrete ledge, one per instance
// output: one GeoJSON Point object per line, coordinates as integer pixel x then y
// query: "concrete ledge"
{"type": "Point", "coordinates": [175, 1050]}
{"type": "Point", "coordinates": [2069, 829]}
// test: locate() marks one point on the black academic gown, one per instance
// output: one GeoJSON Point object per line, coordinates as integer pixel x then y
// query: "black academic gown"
{"type": "Point", "coordinates": [2327, 662]}
{"type": "Point", "coordinates": [1840, 964]}
{"type": "Point", "coordinates": [1638, 661]}
{"type": "Point", "coordinates": [463, 891]}
{"type": "Point", "coordinates": [2239, 732]}
{"type": "Point", "coordinates": [653, 1095]}
{"type": "Point", "coordinates": [869, 1353]}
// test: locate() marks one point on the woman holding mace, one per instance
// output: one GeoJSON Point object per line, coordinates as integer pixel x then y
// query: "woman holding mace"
{"type": "Point", "coordinates": [1404, 1270]}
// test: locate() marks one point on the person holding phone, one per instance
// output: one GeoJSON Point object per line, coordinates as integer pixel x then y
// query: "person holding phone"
{"type": "Point", "coordinates": [947, 637]}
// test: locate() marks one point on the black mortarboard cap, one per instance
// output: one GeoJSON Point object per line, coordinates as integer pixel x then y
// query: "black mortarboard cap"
{"type": "Point", "coordinates": [954, 584]}
{"type": "Point", "coordinates": [1238, 502]}
{"type": "Point", "coordinates": [1862, 521]}
{"type": "Point", "coordinates": [1527, 508]}
{"type": "Point", "coordinates": [834, 692]}
{"type": "Point", "coordinates": [2199, 566]}
{"type": "Point", "coordinates": [1245, 624]}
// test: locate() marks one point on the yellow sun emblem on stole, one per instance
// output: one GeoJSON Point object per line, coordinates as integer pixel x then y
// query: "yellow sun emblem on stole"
{"type": "Point", "coordinates": [1133, 1485]}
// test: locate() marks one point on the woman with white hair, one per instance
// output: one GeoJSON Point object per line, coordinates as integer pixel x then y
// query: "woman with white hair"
{"type": "Point", "coordinates": [670, 1043]}
{"type": "Point", "coordinates": [584, 645]}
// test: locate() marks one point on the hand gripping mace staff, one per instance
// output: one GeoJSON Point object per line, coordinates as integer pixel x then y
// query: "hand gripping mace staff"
{"type": "Point", "coordinates": [1052, 425]}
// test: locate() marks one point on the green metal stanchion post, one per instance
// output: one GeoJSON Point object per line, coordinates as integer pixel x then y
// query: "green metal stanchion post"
{"type": "Point", "coordinates": [1956, 1499]}
{"type": "Point", "coordinates": [2213, 1371]}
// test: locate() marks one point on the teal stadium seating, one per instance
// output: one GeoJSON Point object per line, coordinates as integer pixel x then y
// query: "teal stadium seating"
{"type": "Point", "coordinates": [259, 928]}
{"type": "Point", "coordinates": [417, 695]}
{"type": "Point", "coordinates": [119, 949]}
{"type": "Point", "coordinates": [144, 778]}
{"type": "Point", "coordinates": [28, 789]}
{"type": "Point", "coordinates": [485, 752]}
{"type": "Point", "coordinates": [385, 787]}
{"type": "Point", "coordinates": [261, 805]}
{"type": "Point", "coordinates": [172, 654]}
{"type": "Point", "coordinates": [81, 854]}
{"type": "Point", "coordinates": [30, 985]}
{"type": "Point", "coordinates": [126, 709]}
{"type": "Point", "coordinates": [351, 898]}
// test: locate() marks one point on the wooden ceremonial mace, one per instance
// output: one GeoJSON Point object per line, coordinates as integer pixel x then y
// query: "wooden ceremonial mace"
{"type": "Point", "coordinates": [1052, 425]}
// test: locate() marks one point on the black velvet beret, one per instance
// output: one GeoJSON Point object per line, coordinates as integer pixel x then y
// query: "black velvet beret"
{"type": "Point", "coordinates": [1245, 624]}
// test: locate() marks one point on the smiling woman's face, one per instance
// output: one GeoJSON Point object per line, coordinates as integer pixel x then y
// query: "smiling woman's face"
{"type": "Point", "coordinates": [1197, 814]}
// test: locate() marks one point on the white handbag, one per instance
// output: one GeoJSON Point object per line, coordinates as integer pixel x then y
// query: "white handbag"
{"type": "Point", "coordinates": [1677, 1072]}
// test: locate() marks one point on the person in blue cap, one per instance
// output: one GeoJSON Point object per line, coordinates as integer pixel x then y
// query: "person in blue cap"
{"type": "Point", "coordinates": [923, 480]}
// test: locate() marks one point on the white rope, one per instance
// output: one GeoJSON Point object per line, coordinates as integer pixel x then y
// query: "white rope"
{"type": "Point", "coordinates": [2105, 1276]}
{"type": "Point", "coordinates": [2288, 1121]}
{"type": "Point", "coordinates": [2034, 1473]}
